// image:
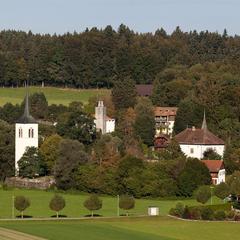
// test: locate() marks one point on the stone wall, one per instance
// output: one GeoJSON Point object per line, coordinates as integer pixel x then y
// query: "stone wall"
{"type": "Point", "coordinates": [37, 183]}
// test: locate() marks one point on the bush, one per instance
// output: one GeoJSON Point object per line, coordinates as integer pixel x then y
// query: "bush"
{"type": "Point", "coordinates": [173, 212]}
{"type": "Point", "coordinates": [222, 190]}
{"type": "Point", "coordinates": [21, 204]}
{"type": "Point", "coordinates": [219, 215]}
{"type": "Point", "coordinates": [186, 213]}
{"type": "Point", "coordinates": [195, 213]}
{"type": "Point", "coordinates": [57, 203]}
{"type": "Point", "coordinates": [230, 215]}
{"type": "Point", "coordinates": [207, 213]}
{"type": "Point", "coordinates": [203, 194]}
{"type": "Point", "coordinates": [179, 209]}
{"type": "Point", "coordinates": [93, 203]}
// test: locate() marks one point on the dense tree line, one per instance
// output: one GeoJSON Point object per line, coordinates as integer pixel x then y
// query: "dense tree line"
{"type": "Point", "coordinates": [95, 57]}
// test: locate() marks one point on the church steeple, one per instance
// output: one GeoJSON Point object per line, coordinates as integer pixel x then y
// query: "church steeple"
{"type": "Point", "coordinates": [204, 123]}
{"type": "Point", "coordinates": [26, 117]}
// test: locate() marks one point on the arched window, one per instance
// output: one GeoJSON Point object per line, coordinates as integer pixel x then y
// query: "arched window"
{"type": "Point", "coordinates": [31, 133]}
{"type": "Point", "coordinates": [20, 133]}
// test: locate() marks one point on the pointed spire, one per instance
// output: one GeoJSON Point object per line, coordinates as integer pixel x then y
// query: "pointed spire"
{"type": "Point", "coordinates": [204, 123]}
{"type": "Point", "coordinates": [26, 117]}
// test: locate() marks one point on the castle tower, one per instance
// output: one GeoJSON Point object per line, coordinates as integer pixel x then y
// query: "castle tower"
{"type": "Point", "coordinates": [26, 133]}
{"type": "Point", "coordinates": [100, 116]}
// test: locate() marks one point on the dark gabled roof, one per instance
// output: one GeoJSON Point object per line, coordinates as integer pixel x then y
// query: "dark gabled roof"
{"type": "Point", "coordinates": [197, 136]}
{"type": "Point", "coordinates": [214, 166]}
{"type": "Point", "coordinates": [144, 90]}
{"type": "Point", "coordinates": [26, 117]}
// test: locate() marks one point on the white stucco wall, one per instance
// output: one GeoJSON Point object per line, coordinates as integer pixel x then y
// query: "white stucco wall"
{"type": "Point", "coordinates": [21, 143]}
{"type": "Point", "coordinates": [221, 176]}
{"type": "Point", "coordinates": [198, 150]}
{"type": "Point", "coordinates": [110, 125]}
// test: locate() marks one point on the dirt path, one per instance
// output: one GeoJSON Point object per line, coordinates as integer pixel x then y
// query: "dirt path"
{"type": "Point", "coordinates": [6, 234]}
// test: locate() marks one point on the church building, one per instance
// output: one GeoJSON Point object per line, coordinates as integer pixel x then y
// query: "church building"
{"type": "Point", "coordinates": [26, 133]}
{"type": "Point", "coordinates": [103, 123]}
{"type": "Point", "coordinates": [195, 141]}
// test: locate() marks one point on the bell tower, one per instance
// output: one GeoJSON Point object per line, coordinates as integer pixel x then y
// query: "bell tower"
{"type": "Point", "coordinates": [26, 133]}
{"type": "Point", "coordinates": [100, 116]}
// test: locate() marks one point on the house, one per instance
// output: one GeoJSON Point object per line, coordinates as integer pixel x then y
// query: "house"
{"type": "Point", "coordinates": [161, 142]}
{"type": "Point", "coordinates": [216, 169]}
{"type": "Point", "coordinates": [144, 90]}
{"type": "Point", "coordinates": [195, 141]}
{"type": "Point", "coordinates": [103, 123]}
{"type": "Point", "coordinates": [165, 119]}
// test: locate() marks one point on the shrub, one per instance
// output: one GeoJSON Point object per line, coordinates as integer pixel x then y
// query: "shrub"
{"type": "Point", "coordinates": [126, 202]}
{"type": "Point", "coordinates": [195, 213]}
{"type": "Point", "coordinates": [203, 194]}
{"type": "Point", "coordinates": [21, 204]}
{"type": "Point", "coordinates": [93, 203]}
{"type": "Point", "coordinates": [186, 213]}
{"type": "Point", "coordinates": [207, 213]}
{"type": "Point", "coordinates": [219, 215]}
{"type": "Point", "coordinates": [179, 209]}
{"type": "Point", "coordinates": [230, 215]}
{"type": "Point", "coordinates": [57, 203]}
{"type": "Point", "coordinates": [173, 212]}
{"type": "Point", "coordinates": [222, 190]}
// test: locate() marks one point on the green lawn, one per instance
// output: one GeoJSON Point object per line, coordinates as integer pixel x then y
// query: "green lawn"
{"type": "Point", "coordinates": [53, 95]}
{"type": "Point", "coordinates": [74, 204]}
{"type": "Point", "coordinates": [148, 228]}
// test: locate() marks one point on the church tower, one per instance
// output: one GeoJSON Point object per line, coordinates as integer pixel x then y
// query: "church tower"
{"type": "Point", "coordinates": [26, 133]}
{"type": "Point", "coordinates": [100, 116]}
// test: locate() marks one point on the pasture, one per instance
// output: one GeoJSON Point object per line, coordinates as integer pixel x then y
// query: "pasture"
{"type": "Point", "coordinates": [145, 228]}
{"type": "Point", "coordinates": [54, 95]}
{"type": "Point", "coordinates": [74, 204]}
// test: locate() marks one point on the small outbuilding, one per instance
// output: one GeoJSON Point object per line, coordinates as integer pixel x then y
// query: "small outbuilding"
{"type": "Point", "coordinates": [153, 211]}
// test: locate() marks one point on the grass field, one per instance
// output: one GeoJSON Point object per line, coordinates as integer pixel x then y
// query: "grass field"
{"type": "Point", "coordinates": [148, 228]}
{"type": "Point", "coordinates": [53, 95]}
{"type": "Point", "coordinates": [74, 204]}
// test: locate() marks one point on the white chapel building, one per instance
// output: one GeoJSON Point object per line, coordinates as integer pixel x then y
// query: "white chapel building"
{"type": "Point", "coordinates": [26, 133]}
{"type": "Point", "coordinates": [103, 123]}
{"type": "Point", "coordinates": [195, 141]}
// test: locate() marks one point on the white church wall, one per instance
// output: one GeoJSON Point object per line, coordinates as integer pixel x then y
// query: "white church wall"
{"type": "Point", "coordinates": [24, 139]}
{"type": "Point", "coordinates": [197, 151]}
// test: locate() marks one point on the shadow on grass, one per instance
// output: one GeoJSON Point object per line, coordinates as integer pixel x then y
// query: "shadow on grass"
{"type": "Point", "coordinates": [24, 216]}
{"type": "Point", "coordinates": [94, 215]}
{"type": "Point", "coordinates": [59, 216]}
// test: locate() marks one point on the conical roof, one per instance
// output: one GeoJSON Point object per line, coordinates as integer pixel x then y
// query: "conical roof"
{"type": "Point", "coordinates": [26, 117]}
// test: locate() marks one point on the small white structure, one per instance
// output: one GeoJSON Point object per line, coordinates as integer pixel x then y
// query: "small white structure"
{"type": "Point", "coordinates": [26, 134]}
{"type": "Point", "coordinates": [103, 123]}
{"type": "Point", "coordinates": [216, 169]}
{"type": "Point", "coordinates": [153, 211]}
{"type": "Point", "coordinates": [194, 141]}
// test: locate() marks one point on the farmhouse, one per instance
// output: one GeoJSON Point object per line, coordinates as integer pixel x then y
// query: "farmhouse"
{"type": "Point", "coordinates": [195, 141]}
{"type": "Point", "coordinates": [103, 123]}
{"type": "Point", "coordinates": [26, 133]}
{"type": "Point", "coordinates": [216, 169]}
{"type": "Point", "coordinates": [165, 119]}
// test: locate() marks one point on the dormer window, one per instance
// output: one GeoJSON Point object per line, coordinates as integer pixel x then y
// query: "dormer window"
{"type": "Point", "coordinates": [31, 133]}
{"type": "Point", "coordinates": [20, 133]}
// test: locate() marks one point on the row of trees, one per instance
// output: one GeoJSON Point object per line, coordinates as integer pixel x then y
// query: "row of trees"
{"type": "Point", "coordinates": [58, 203]}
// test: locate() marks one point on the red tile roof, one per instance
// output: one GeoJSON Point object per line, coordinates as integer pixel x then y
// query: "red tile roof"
{"type": "Point", "coordinates": [197, 136]}
{"type": "Point", "coordinates": [214, 165]}
{"type": "Point", "coordinates": [165, 111]}
{"type": "Point", "coordinates": [144, 90]}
